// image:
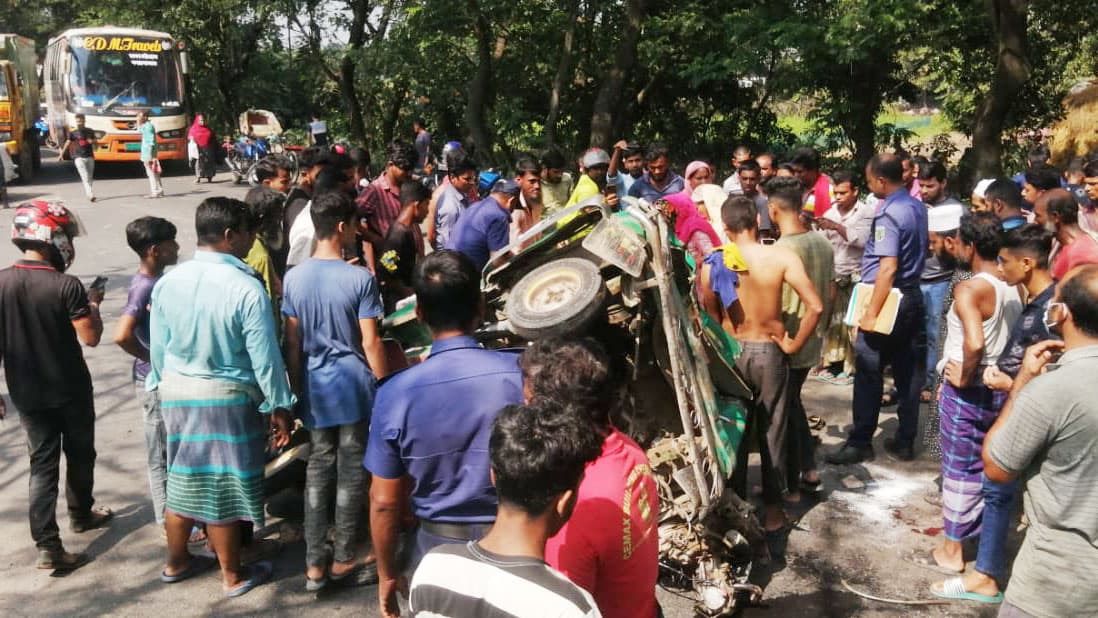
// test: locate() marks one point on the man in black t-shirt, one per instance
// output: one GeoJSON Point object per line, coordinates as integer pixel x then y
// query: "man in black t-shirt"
{"type": "Point", "coordinates": [402, 247]}
{"type": "Point", "coordinates": [44, 315]}
{"type": "Point", "coordinates": [80, 143]}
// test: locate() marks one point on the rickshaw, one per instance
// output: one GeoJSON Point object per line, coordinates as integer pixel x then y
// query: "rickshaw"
{"type": "Point", "coordinates": [625, 279]}
{"type": "Point", "coordinates": [260, 137]}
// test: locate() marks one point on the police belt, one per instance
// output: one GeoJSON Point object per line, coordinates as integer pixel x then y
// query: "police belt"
{"type": "Point", "coordinates": [472, 531]}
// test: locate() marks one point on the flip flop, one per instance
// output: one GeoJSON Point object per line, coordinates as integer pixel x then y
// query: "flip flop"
{"type": "Point", "coordinates": [816, 422]}
{"type": "Point", "coordinates": [200, 562]}
{"type": "Point", "coordinates": [361, 575]}
{"type": "Point", "coordinates": [954, 588]}
{"type": "Point", "coordinates": [258, 572]}
{"type": "Point", "coordinates": [925, 559]}
{"type": "Point", "coordinates": [316, 585]}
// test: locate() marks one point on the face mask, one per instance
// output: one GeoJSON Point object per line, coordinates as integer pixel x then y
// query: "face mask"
{"type": "Point", "coordinates": [1050, 323]}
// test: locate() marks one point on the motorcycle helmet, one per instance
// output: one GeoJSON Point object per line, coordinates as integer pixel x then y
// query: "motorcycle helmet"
{"type": "Point", "coordinates": [448, 148]}
{"type": "Point", "coordinates": [485, 180]}
{"type": "Point", "coordinates": [47, 226]}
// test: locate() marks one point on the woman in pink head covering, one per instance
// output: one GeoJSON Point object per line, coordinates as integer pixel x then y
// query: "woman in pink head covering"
{"type": "Point", "coordinates": [206, 142]}
{"type": "Point", "coordinates": [697, 174]}
{"type": "Point", "coordinates": [690, 227]}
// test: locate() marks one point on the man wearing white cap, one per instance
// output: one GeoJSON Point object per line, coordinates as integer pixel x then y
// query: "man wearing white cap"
{"type": "Point", "coordinates": [978, 327]}
{"type": "Point", "coordinates": [979, 195]}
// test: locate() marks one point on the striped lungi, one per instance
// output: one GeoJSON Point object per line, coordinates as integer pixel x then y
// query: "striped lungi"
{"type": "Point", "coordinates": [966, 415]}
{"type": "Point", "coordinates": [216, 438]}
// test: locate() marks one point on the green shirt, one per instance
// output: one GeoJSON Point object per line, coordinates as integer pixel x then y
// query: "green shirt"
{"type": "Point", "coordinates": [819, 262]}
{"type": "Point", "coordinates": [148, 141]}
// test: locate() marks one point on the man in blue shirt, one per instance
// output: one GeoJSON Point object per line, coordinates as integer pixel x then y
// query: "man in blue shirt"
{"type": "Point", "coordinates": [1004, 198]}
{"type": "Point", "coordinates": [486, 226]}
{"type": "Point", "coordinates": [334, 355]}
{"type": "Point", "coordinates": [658, 181]}
{"type": "Point", "coordinates": [431, 425]}
{"type": "Point", "coordinates": [895, 254]}
{"type": "Point", "coordinates": [218, 371]}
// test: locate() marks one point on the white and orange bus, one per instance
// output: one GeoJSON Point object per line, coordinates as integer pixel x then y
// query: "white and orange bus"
{"type": "Point", "coordinates": [110, 74]}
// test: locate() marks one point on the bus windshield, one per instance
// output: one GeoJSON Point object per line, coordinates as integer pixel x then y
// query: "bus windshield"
{"type": "Point", "coordinates": [106, 73]}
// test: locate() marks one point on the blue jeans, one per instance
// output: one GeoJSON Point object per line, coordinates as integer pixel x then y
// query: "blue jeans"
{"type": "Point", "coordinates": [991, 555]}
{"type": "Point", "coordinates": [933, 300]}
{"type": "Point", "coordinates": [901, 349]}
{"type": "Point", "coordinates": [156, 448]}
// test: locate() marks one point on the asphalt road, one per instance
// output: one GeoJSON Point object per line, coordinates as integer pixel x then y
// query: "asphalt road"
{"type": "Point", "coordinates": [868, 518]}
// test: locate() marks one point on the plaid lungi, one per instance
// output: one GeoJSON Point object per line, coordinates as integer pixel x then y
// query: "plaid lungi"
{"type": "Point", "coordinates": [966, 414]}
{"type": "Point", "coordinates": [216, 439]}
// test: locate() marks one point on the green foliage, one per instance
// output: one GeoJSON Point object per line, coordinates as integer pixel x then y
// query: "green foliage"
{"type": "Point", "coordinates": [708, 73]}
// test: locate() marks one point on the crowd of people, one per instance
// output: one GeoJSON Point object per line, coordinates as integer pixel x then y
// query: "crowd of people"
{"type": "Point", "coordinates": [497, 481]}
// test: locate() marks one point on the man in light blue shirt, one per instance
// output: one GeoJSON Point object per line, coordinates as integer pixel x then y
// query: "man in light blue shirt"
{"type": "Point", "coordinates": [218, 370]}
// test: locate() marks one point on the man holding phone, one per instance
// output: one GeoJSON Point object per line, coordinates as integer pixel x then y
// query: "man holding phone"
{"type": "Point", "coordinates": [44, 317]}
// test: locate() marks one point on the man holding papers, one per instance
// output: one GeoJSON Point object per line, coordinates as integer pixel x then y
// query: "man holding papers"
{"type": "Point", "coordinates": [894, 257]}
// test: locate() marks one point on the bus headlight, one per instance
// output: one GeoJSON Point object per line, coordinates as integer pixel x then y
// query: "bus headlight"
{"type": "Point", "coordinates": [173, 134]}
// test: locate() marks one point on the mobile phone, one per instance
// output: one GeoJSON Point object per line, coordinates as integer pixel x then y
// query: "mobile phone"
{"type": "Point", "coordinates": [100, 283]}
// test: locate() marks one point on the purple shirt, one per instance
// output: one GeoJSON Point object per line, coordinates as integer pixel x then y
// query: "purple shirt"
{"type": "Point", "coordinates": [899, 230]}
{"type": "Point", "coordinates": [138, 303]}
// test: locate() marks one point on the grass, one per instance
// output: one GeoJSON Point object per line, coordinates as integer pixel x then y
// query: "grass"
{"type": "Point", "coordinates": [924, 127]}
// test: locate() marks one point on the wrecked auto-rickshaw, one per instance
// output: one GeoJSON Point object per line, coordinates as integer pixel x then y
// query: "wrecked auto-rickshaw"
{"type": "Point", "coordinates": [624, 279]}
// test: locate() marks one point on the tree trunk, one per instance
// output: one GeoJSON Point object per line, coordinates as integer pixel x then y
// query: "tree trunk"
{"type": "Point", "coordinates": [1012, 71]}
{"type": "Point", "coordinates": [609, 96]}
{"type": "Point", "coordinates": [480, 87]}
{"type": "Point", "coordinates": [564, 71]}
{"type": "Point", "coordinates": [360, 11]}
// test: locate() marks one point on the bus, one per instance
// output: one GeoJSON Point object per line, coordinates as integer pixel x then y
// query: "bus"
{"type": "Point", "coordinates": [110, 74]}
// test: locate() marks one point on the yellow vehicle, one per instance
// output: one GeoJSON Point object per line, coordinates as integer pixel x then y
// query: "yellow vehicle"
{"type": "Point", "coordinates": [110, 74]}
{"type": "Point", "coordinates": [19, 103]}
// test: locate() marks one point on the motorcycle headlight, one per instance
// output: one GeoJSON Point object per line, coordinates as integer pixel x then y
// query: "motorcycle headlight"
{"type": "Point", "coordinates": [5, 136]}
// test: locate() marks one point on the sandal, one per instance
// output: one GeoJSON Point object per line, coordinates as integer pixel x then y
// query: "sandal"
{"type": "Point", "coordinates": [361, 575]}
{"type": "Point", "coordinates": [257, 573]}
{"type": "Point", "coordinates": [816, 423]}
{"type": "Point", "coordinates": [95, 518]}
{"type": "Point", "coordinates": [198, 535]}
{"type": "Point", "coordinates": [926, 559]}
{"type": "Point", "coordinates": [199, 563]}
{"type": "Point", "coordinates": [954, 588]}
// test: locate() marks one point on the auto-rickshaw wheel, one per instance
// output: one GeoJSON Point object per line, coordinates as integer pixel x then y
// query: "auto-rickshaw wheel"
{"type": "Point", "coordinates": [557, 298]}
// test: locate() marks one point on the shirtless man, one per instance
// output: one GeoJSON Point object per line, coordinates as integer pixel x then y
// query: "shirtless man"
{"type": "Point", "coordinates": [746, 296]}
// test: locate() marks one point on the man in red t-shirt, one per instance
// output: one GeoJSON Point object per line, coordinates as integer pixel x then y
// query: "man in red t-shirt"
{"type": "Point", "coordinates": [609, 546]}
{"type": "Point", "coordinates": [1057, 210]}
{"type": "Point", "coordinates": [819, 192]}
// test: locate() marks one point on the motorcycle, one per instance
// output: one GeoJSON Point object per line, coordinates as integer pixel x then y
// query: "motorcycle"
{"type": "Point", "coordinates": [260, 138]}
{"type": "Point", "coordinates": [625, 279]}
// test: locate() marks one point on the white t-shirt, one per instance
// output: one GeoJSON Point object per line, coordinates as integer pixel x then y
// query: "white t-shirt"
{"type": "Point", "coordinates": [302, 237]}
{"type": "Point", "coordinates": [318, 126]}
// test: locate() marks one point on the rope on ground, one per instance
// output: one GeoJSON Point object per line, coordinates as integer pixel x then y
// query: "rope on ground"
{"type": "Point", "coordinates": [893, 601]}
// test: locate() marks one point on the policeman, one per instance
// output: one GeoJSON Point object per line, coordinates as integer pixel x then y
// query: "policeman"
{"type": "Point", "coordinates": [894, 258]}
{"type": "Point", "coordinates": [431, 424]}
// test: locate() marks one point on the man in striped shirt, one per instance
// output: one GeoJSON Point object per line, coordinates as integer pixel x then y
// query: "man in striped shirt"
{"type": "Point", "coordinates": [538, 454]}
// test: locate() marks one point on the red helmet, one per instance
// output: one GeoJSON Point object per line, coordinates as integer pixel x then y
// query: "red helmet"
{"type": "Point", "coordinates": [49, 222]}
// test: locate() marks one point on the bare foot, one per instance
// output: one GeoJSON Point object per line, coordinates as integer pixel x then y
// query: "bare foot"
{"type": "Point", "coordinates": [315, 573]}
{"type": "Point", "coordinates": [956, 563]}
{"type": "Point", "coordinates": [339, 568]}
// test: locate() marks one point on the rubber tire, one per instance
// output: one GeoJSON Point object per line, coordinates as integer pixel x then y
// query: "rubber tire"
{"type": "Point", "coordinates": [565, 318]}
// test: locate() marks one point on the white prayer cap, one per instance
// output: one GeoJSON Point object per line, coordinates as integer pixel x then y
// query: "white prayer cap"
{"type": "Point", "coordinates": [981, 187]}
{"type": "Point", "coordinates": [944, 218]}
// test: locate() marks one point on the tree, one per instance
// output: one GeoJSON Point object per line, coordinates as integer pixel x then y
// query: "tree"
{"type": "Point", "coordinates": [1012, 71]}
